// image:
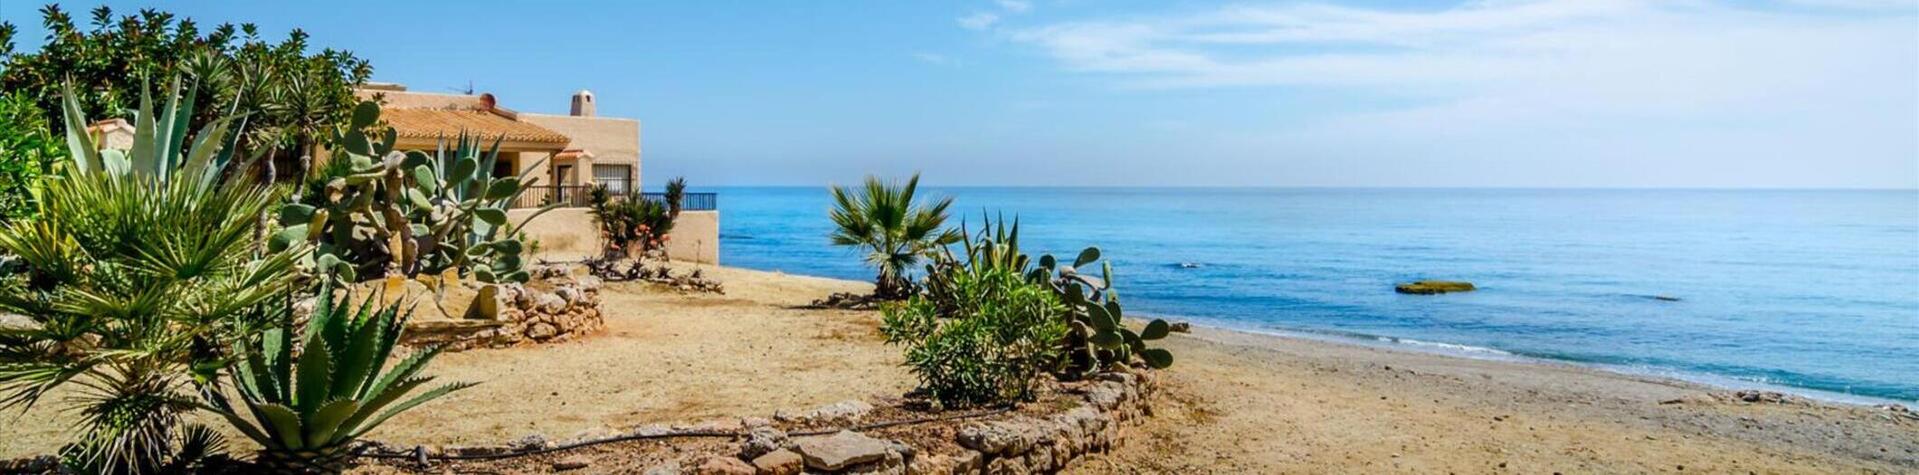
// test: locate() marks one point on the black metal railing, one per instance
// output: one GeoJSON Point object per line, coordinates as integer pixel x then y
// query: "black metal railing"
{"type": "Point", "coordinates": [690, 201]}
{"type": "Point", "coordinates": [581, 196]}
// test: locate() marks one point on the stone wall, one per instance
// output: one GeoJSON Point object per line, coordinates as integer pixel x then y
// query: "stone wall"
{"type": "Point", "coordinates": [1096, 413]}
{"type": "Point", "coordinates": [555, 307]}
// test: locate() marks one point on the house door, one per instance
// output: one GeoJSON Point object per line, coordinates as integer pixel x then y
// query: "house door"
{"type": "Point", "coordinates": [563, 176]}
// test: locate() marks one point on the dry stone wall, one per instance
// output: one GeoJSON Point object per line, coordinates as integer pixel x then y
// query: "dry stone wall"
{"type": "Point", "coordinates": [557, 307]}
{"type": "Point", "coordinates": [1019, 444]}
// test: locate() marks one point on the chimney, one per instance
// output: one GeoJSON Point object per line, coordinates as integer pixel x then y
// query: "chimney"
{"type": "Point", "coordinates": [583, 103]}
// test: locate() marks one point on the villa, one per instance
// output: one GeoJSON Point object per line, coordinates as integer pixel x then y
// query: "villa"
{"type": "Point", "coordinates": [569, 154]}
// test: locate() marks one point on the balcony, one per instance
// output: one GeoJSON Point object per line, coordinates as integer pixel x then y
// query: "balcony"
{"type": "Point", "coordinates": [580, 196]}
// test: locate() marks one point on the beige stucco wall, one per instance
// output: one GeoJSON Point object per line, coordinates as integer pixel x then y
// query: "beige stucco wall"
{"type": "Point", "coordinates": [611, 140]}
{"type": "Point", "coordinates": [569, 234]}
{"type": "Point", "coordinates": [695, 237]}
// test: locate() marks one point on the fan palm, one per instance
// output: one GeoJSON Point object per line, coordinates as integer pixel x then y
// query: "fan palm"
{"type": "Point", "coordinates": [882, 219]}
{"type": "Point", "coordinates": [139, 271]}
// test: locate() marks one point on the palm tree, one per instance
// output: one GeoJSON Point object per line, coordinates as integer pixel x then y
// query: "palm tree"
{"type": "Point", "coordinates": [140, 274]}
{"type": "Point", "coordinates": [882, 219]}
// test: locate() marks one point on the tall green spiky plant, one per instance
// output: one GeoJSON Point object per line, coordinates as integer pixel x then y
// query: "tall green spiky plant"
{"type": "Point", "coordinates": [894, 231]}
{"type": "Point", "coordinates": [140, 268]}
{"type": "Point", "coordinates": [306, 408]}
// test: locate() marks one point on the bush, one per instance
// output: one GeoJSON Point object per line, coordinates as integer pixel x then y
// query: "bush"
{"type": "Point", "coordinates": [27, 150]}
{"type": "Point", "coordinates": [630, 223]}
{"type": "Point", "coordinates": [999, 336]}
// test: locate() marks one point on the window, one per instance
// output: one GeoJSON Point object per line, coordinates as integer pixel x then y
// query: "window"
{"type": "Point", "coordinates": [617, 178]}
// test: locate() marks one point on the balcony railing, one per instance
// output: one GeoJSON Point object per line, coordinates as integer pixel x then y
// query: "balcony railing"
{"type": "Point", "coordinates": [580, 196]}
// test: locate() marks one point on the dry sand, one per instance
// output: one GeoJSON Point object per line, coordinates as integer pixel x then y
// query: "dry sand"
{"type": "Point", "coordinates": [1234, 402]}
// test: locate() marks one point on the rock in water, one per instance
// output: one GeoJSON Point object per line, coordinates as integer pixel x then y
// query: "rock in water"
{"type": "Point", "coordinates": [1429, 287]}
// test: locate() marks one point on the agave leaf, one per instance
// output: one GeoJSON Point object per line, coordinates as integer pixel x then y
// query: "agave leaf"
{"type": "Point", "coordinates": [282, 421]}
{"type": "Point", "coordinates": [145, 144]}
{"type": "Point", "coordinates": [246, 427]}
{"type": "Point", "coordinates": [205, 145]}
{"type": "Point", "coordinates": [357, 363]}
{"type": "Point", "coordinates": [314, 373]}
{"type": "Point", "coordinates": [114, 162]}
{"type": "Point", "coordinates": [79, 143]}
{"type": "Point", "coordinates": [372, 403]}
{"type": "Point", "coordinates": [325, 424]}
{"type": "Point", "coordinates": [410, 403]}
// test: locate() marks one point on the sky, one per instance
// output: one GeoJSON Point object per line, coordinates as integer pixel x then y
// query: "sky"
{"type": "Point", "coordinates": [1478, 93]}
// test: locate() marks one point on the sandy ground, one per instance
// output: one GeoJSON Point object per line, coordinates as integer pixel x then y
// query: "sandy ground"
{"type": "Point", "coordinates": [1234, 402]}
{"type": "Point", "coordinates": [1241, 403]}
{"type": "Point", "coordinates": [664, 357]}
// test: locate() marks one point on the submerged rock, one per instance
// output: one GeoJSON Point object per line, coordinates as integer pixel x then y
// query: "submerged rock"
{"type": "Point", "coordinates": [1429, 287]}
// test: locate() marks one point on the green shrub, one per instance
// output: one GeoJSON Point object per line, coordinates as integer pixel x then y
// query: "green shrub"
{"type": "Point", "coordinates": [631, 224]}
{"type": "Point", "coordinates": [140, 267]}
{"type": "Point", "coordinates": [306, 408]}
{"type": "Point", "coordinates": [1097, 337]}
{"type": "Point", "coordinates": [999, 337]}
{"type": "Point", "coordinates": [27, 150]}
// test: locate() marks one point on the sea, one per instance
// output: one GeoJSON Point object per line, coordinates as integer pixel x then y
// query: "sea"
{"type": "Point", "coordinates": [1810, 291]}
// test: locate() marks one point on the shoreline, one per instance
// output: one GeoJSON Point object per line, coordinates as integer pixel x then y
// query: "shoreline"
{"type": "Point", "coordinates": [1454, 350]}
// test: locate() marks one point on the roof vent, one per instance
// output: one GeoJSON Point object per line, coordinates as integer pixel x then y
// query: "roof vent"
{"type": "Point", "coordinates": [583, 103]}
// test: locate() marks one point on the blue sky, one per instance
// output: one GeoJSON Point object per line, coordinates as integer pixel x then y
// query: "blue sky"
{"type": "Point", "coordinates": [1501, 93]}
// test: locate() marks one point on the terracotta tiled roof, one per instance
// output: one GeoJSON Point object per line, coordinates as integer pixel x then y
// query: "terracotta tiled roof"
{"type": "Point", "coordinates": [436, 123]}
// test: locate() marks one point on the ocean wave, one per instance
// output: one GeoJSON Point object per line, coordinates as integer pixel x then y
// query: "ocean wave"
{"type": "Point", "coordinates": [1445, 346]}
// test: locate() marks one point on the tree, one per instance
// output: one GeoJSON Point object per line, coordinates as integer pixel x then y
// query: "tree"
{"type": "Point", "coordinates": [882, 219]}
{"type": "Point", "coordinates": [27, 150]}
{"type": "Point", "coordinates": [293, 98]}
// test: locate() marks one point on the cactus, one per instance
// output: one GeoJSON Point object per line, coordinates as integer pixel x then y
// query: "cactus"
{"type": "Point", "coordinates": [409, 213]}
{"type": "Point", "coordinates": [1097, 336]}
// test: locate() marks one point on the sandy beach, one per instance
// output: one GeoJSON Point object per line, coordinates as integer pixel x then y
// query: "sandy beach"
{"type": "Point", "coordinates": [1234, 402]}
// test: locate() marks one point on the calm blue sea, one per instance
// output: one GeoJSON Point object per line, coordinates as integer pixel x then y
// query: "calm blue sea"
{"type": "Point", "coordinates": [1816, 290]}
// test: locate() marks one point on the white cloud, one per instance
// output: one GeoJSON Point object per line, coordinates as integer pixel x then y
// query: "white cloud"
{"type": "Point", "coordinates": [1653, 79]}
{"type": "Point", "coordinates": [978, 20]}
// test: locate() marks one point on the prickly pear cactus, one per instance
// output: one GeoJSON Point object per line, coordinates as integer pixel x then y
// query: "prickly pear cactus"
{"type": "Point", "coordinates": [1097, 336]}
{"type": "Point", "coordinates": [378, 212]}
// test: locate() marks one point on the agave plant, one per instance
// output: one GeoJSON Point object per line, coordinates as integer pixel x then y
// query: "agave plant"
{"type": "Point", "coordinates": [894, 231]}
{"type": "Point", "coordinates": [139, 269]}
{"type": "Point", "coordinates": [305, 408]}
